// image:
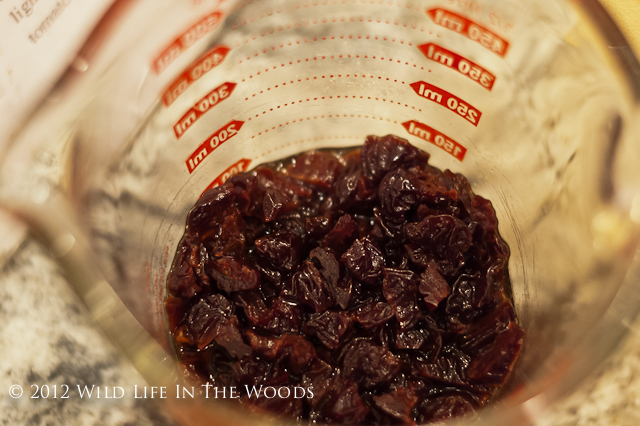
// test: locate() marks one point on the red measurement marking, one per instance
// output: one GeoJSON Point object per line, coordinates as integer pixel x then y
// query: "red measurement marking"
{"type": "Point", "coordinates": [209, 61]}
{"type": "Point", "coordinates": [469, 29]}
{"type": "Point", "coordinates": [433, 136]}
{"type": "Point", "coordinates": [185, 40]}
{"type": "Point", "coordinates": [212, 142]}
{"type": "Point", "coordinates": [446, 99]}
{"type": "Point", "coordinates": [456, 62]}
{"type": "Point", "coordinates": [210, 100]}
{"type": "Point", "coordinates": [237, 167]}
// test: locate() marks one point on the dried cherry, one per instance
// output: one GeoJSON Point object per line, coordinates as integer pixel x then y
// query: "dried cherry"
{"type": "Point", "coordinates": [366, 275]}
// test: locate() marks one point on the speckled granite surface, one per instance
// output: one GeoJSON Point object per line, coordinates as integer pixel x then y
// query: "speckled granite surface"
{"type": "Point", "coordinates": [610, 396]}
{"type": "Point", "coordinates": [46, 338]}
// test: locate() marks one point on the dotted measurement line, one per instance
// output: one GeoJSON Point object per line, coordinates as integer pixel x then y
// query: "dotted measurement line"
{"type": "Point", "coordinates": [299, 6]}
{"type": "Point", "coordinates": [316, 78]}
{"type": "Point", "coordinates": [316, 117]}
{"type": "Point", "coordinates": [314, 39]}
{"type": "Point", "coordinates": [334, 97]}
{"type": "Point", "coordinates": [315, 22]}
{"type": "Point", "coordinates": [298, 61]}
{"type": "Point", "coordinates": [319, 39]}
{"type": "Point", "coordinates": [278, 148]}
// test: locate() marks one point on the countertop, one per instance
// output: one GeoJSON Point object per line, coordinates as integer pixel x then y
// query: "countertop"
{"type": "Point", "coordinates": [47, 338]}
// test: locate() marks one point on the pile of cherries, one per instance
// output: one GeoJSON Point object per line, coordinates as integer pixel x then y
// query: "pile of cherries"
{"type": "Point", "coordinates": [367, 275]}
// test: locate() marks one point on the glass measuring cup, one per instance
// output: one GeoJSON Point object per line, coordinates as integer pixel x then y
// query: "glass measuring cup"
{"type": "Point", "coordinates": [522, 99]}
